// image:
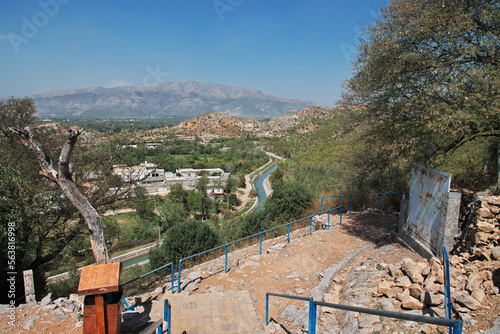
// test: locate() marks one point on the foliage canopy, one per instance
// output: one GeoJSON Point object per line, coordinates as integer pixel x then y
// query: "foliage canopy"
{"type": "Point", "coordinates": [426, 80]}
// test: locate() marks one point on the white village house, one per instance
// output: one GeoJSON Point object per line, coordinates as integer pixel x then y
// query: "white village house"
{"type": "Point", "coordinates": [156, 181]}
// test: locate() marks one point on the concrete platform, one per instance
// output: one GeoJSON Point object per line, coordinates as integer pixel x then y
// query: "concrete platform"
{"type": "Point", "coordinates": [217, 312]}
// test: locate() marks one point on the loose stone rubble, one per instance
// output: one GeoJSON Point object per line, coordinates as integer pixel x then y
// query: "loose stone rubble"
{"type": "Point", "coordinates": [418, 286]}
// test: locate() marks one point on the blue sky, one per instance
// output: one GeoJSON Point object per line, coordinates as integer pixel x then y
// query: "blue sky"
{"type": "Point", "coordinates": [290, 48]}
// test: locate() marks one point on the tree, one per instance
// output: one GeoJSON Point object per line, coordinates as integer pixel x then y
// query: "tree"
{"type": "Point", "coordinates": [15, 117]}
{"type": "Point", "coordinates": [202, 184]}
{"type": "Point", "coordinates": [426, 80]}
{"type": "Point", "coordinates": [231, 185]}
{"type": "Point", "coordinates": [288, 200]}
{"type": "Point", "coordinates": [172, 213]}
{"type": "Point", "coordinates": [178, 194]}
{"type": "Point", "coordinates": [182, 240]}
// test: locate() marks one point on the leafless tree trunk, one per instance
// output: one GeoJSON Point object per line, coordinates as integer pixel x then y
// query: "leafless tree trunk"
{"type": "Point", "coordinates": [63, 177]}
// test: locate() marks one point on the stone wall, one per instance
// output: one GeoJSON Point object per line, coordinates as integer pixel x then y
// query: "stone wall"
{"type": "Point", "coordinates": [479, 230]}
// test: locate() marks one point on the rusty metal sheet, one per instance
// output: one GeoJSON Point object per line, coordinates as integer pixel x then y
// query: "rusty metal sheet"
{"type": "Point", "coordinates": [424, 212]}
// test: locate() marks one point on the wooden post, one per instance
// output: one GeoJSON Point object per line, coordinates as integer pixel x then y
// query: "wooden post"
{"type": "Point", "coordinates": [29, 286]}
{"type": "Point", "coordinates": [96, 281]}
{"type": "Point", "coordinates": [100, 316]}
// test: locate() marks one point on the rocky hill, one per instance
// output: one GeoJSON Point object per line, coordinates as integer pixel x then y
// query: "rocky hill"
{"type": "Point", "coordinates": [168, 99]}
{"type": "Point", "coordinates": [223, 125]}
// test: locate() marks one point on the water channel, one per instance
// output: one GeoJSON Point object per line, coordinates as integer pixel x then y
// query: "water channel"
{"type": "Point", "coordinates": [259, 186]}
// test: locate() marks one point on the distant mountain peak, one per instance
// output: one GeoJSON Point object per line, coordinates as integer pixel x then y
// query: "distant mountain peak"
{"type": "Point", "coordinates": [167, 99]}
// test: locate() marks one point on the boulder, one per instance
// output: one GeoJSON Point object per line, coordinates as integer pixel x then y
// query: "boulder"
{"type": "Point", "coordinates": [481, 238]}
{"type": "Point", "coordinates": [194, 276]}
{"type": "Point", "coordinates": [383, 286]}
{"type": "Point", "coordinates": [483, 226]}
{"type": "Point", "coordinates": [412, 270]}
{"type": "Point", "coordinates": [474, 282]}
{"type": "Point", "coordinates": [495, 253]}
{"type": "Point", "coordinates": [431, 299]}
{"type": "Point", "coordinates": [479, 295]}
{"type": "Point", "coordinates": [30, 321]}
{"type": "Point", "coordinates": [61, 301]}
{"type": "Point", "coordinates": [486, 213]}
{"type": "Point", "coordinates": [395, 271]}
{"type": "Point", "coordinates": [403, 282]}
{"type": "Point", "coordinates": [401, 295]}
{"type": "Point", "coordinates": [468, 301]}
{"type": "Point", "coordinates": [411, 303]}
{"type": "Point", "coordinates": [46, 300]}
{"type": "Point", "coordinates": [482, 253]}
{"type": "Point", "coordinates": [415, 290]}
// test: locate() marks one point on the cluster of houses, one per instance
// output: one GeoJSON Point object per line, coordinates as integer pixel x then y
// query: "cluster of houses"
{"type": "Point", "coordinates": [156, 181]}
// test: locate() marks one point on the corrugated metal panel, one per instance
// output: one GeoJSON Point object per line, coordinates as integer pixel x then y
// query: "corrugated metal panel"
{"type": "Point", "coordinates": [424, 213]}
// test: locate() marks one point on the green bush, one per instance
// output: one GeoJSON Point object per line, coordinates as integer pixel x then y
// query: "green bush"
{"type": "Point", "coordinates": [182, 240]}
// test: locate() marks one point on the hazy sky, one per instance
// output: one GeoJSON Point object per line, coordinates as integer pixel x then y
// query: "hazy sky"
{"type": "Point", "coordinates": [290, 48]}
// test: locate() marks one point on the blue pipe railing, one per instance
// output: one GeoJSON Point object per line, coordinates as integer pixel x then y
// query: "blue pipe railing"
{"type": "Point", "coordinates": [447, 289]}
{"type": "Point", "coordinates": [171, 265]}
{"type": "Point", "coordinates": [167, 315]}
{"type": "Point", "coordinates": [226, 246]}
{"type": "Point", "coordinates": [354, 195]}
{"type": "Point", "coordinates": [454, 325]}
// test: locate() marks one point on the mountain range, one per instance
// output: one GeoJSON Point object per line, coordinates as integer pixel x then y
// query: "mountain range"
{"type": "Point", "coordinates": [168, 99]}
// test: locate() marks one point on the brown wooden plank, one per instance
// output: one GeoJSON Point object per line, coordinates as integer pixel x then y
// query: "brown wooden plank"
{"type": "Point", "coordinates": [99, 279]}
{"type": "Point", "coordinates": [100, 316]}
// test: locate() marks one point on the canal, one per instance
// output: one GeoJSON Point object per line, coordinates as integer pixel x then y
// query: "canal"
{"type": "Point", "coordinates": [259, 186]}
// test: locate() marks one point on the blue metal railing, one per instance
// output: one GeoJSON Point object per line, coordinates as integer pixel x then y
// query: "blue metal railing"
{"type": "Point", "coordinates": [447, 289]}
{"type": "Point", "coordinates": [454, 325]}
{"type": "Point", "coordinates": [226, 246]}
{"type": "Point", "coordinates": [171, 265]}
{"type": "Point", "coordinates": [354, 195]}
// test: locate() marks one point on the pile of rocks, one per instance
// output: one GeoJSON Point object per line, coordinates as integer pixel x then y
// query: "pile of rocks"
{"type": "Point", "coordinates": [485, 234]}
{"type": "Point", "coordinates": [473, 275]}
{"type": "Point", "coordinates": [61, 308]}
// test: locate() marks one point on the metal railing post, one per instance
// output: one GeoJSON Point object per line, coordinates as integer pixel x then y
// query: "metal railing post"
{"type": "Point", "coordinates": [321, 203]}
{"type": "Point", "coordinates": [340, 224]}
{"type": "Point", "coordinates": [225, 267]}
{"type": "Point", "coordinates": [179, 277]}
{"type": "Point", "coordinates": [172, 275]}
{"type": "Point", "coordinates": [167, 315]}
{"type": "Point", "coordinates": [457, 329]}
{"type": "Point", "coordinates": [288, 238]}
{"type": "Point", "coordinates": [310, 225]}
{"type": "Point", "coordinates": [260, 247]}
{"type": "Point", "coordinates": [447, 295]}
{"type": "Point", "coordinates": [312, 317]}
{"type": "Point", "coordinates": [378, 202]}
{"type": "Point", "coordinates": [267, 309]}
{"type": "Point", "coordinates": [328, 219]}
{"type": "Point", "coordinates": [350, 203]}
